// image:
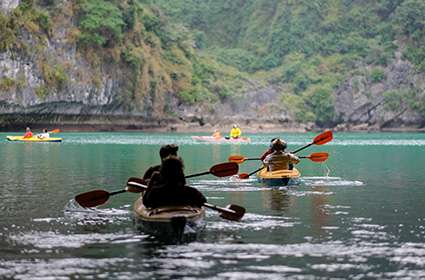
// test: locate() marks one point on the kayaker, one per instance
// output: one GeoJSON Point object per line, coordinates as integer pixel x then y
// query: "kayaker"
{"type": "Point", "coordinates": [279, 159]}
{"type": "Point", "coordinates": [28, 133]}
{"type": "Point", "coordinates": [216, 134]}
{"type": "Point", "coordinates": [43, 135]}
{"type": "Point", "coordinates": [168, 187]}
{"type": "Point", "coordinates": [164, 152]}
{"type": "Point", "coordinates": [235, 132]}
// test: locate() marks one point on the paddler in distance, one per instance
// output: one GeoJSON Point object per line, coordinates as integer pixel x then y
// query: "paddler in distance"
{"type": "Point", "coordinates": [44, 135]}
{"type": "Point", "coordinates": [216, 134]}
{"type": "Point", "coordinates": [168, 187]}
{"type": "Point", "coordinates": [279, 159]}
{"type": "Point", "coordinates": [28, 133]}
{"type": "Point", "coordinates": [235, 132]}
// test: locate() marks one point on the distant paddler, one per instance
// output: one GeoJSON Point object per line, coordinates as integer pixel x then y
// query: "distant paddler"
{"type": "Point", "coordinates": [235, 132]}
{"type": "Point", "coordinates": [28, 133]}
{"type": "Point", "coordinates": [216, 134]}
{"type": "Point", "coordinates": [44, 135]}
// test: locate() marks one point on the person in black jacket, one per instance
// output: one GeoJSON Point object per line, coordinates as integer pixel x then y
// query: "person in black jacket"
{"type": "Point", "coordinates": [165, 151]}
{"type": "Point", "coordinates": [168, 187]}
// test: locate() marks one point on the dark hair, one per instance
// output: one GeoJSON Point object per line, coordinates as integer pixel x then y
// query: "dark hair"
{"type": "Point", "coordinates": [278, 145]}
{"type": "Point", "coordinates": [271, 142]}
{"type": "Point", "coordinates": [168, 150]}
{"type": "Point", "coordinates": [171, 171]}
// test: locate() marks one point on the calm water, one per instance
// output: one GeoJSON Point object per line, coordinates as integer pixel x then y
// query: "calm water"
{"type": "Point", "coordinates": [359, 216]}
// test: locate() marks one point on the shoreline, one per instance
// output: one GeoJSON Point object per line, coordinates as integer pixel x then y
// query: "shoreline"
{"type": "Point", "coordinates": [196, 128]}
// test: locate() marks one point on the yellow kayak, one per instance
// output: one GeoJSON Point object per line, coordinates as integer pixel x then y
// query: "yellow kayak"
{"type": "Point", "coordinates": [33, 139]}
{"type": "Point", "coordinates": [169, 221]}
{"type": "Point", "coordinates": [278, 177]}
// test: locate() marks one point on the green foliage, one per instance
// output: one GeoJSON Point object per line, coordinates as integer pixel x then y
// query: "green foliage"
{"type": "Point", "coordinates": [133, 56]}
{"type": "Point", "coordinates": [54, 76]}
{"type": "Point", "coordinates": [241, 59]}
{"type": "Point", "coordinates": [296, 107]}
{"type": "Point", "coordinates": [7, 84]}
{"type": "Point", "coordinates": [397, 100]}
{"type": "Point", "coordinates": [101, 23]}
{"type": "Point", "coordinates": [410, 21]}
{"type": "Point", "coordinates": [41, 91]}
{"type": "Point", "coordinates": [377, 75]}
{"type": "Point", "coordinates": [416, 55]}
{"type": "Point", "coordinates": [319, 101]}
{"type": "Point", "coordinates": [7, 33]}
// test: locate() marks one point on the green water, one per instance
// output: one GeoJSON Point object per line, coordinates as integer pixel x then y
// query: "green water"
{"type": "Point", "coordinates": [360, 215]}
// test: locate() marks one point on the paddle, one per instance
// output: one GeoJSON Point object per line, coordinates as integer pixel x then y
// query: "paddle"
{"type": "Point", "coordinates": [57, 130]}
{"type": "Point", "coordinates": [220, 170]}
{"type": "Point", "coordinates": [99, 197]}
{"type": "Point", "coordinates": [230, 212]}
{"type": "Point", "coordinates": [320, 139]}
{"type": "Point", "coordinates": [316, 157]}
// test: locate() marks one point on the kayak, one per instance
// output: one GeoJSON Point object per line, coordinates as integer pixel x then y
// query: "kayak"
{"type": "Point", "coordinates": [33, 139]}
{"type": "Point", "coordinates": [221, 140]}
{"type": "Point", "coordinates": [278, 177]}
{"type": "Point", "coordinates": [172, 222]}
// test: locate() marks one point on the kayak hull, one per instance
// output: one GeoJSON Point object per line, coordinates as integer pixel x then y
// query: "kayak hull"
{"type": "Point", "coordinates": [222, 140]}
{"type": "Point", "coordinates": [170, 222]}
{"type": "Point", "coordinates": [279, 177]}
{"type": "Point", "coordinates": [33, 139]}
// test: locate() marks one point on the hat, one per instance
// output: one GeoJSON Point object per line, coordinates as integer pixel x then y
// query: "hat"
{"type": "Point", "coordinates": [278, 145]}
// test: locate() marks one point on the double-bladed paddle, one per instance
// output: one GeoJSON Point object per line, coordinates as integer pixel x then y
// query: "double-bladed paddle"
{"type": "Point", "coordinates": [320, 139]}
{"type": "Point", "coordinates": [99, 197]}
{"type": "Point", "coordinates": [316, 157]}
{"type": "Point", "coordinates": [231, 212]}
{"type": "Point", "coordinates": [57, 130]}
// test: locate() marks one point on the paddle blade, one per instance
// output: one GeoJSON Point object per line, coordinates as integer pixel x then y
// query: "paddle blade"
{"type": "Point", "coordinates": [237, 158]}
{"type": "Point", "coordinates": [318, 157]}
{"type": "Point", "coordinates": [243, 176]}
{"type": "Point", "coordinates": [236, 214]}
{"type": "Point", "coordinates": [92, 198]}
{"type": "Point", "coordinates": [323, 138]}
{"type": "Point", "coordinates": [136, 185]}
{"type": "Point", "coordinates": [55, 130]}
{"type": "Point", "coordinates": [225, 169]}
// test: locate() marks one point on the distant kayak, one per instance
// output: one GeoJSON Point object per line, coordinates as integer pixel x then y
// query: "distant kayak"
{"type": "Point", "coordinates": [277, 178]}
{"type": "Point", "coordinates": [33, 139]}
{"type": "Point", "coordinates": [212, 139]}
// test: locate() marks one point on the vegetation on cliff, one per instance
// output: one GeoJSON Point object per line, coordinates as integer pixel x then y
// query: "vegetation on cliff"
{"type": "Point", "coordinates": [202, 52]}
{"type": "Point", "coordinates": [156, 59]}
{"type": "Point", "coordinates": [310, 45]}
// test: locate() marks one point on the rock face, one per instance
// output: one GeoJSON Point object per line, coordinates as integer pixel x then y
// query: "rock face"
{"type": "Point", "coordinates": [50, 82]}
{"type": "Point", "coordinates": [361, 103]}
{"type": "Point", "coordinates": [8, 5]}
{"type": "Point", "coordinates": [45, 79]}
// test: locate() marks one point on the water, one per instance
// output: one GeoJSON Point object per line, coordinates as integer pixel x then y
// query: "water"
{"type": "Point", "coordinates": [360, 215]}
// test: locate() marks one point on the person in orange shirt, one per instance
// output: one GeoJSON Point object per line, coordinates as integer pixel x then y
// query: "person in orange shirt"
{"type": "Point", "coordinates": [216, 134]}
{"type": "Point", "coordinates": [28, 133]}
